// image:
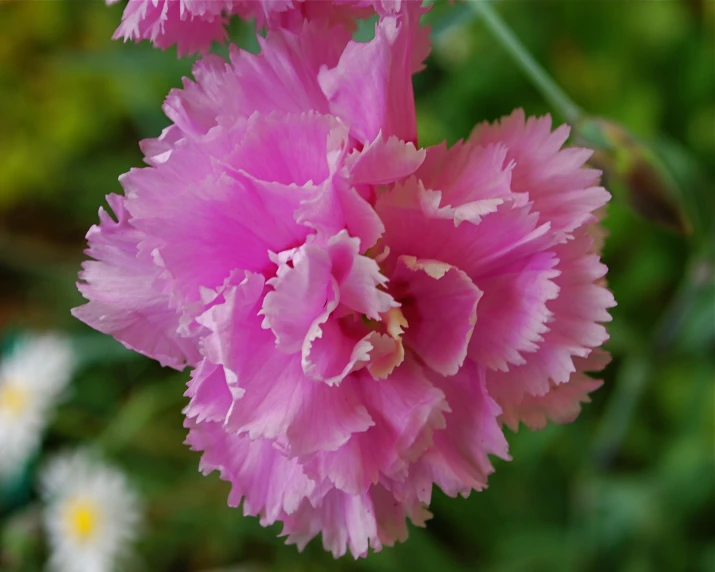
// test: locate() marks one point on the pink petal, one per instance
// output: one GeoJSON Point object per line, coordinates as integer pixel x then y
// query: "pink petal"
{"type": "Point", "coordinates": [358, 277]}
{"type": "Point", "coordinates": [332, 353]}
{"type": "Point", "coordinates": [458, 462]}
{"type": "Point", "coordinates": [283, 77]}
{"type": "Point", "coordinates": [473, 180]}
{"type": "Point", "coordinates": [124, 298]}
{"type": "Point", "coordinates": [439, 303]}
{"type": "Point", "coordinates": [164, 24]}
{"type": "Point", "coordinates": [210, 396]}
{"type": "Point", "coordinates": [384, 161]}
{"type": "Point", "coordinates": [278, 402]}
{"type": "Point", "coordinates": [371, 86]}
{"type": "Point", "coordinates": [305, 277]}
{"type": "Point", "coordinates": [574, 329]}
{"type": "Point", "coordinates": [407, 410]}
{"type": "Point", "coordinates": [324, 280]}
{"type": "Point", "coordinates": [563, 192]}
{"type": "Point", "coordinates": [339, 206]}
{"type": "Point", "coordinates": [562, 404]}
{"type": "Point", "coordinates": [291, 149]}
{"type": "Point", "coordinates": [270, 485]}
{"type": "Point", "coordinates": [353, 522]}
{"type": "Point", "coordinates": [206, 230]}
{"type": "Point", "coordinates": [514, 314]}
{"type": "Point", "coordinates": [412, 227]}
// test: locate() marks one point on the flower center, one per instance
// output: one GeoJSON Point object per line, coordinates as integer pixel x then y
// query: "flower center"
{"type": "Point", "coordinates": [81, 519]}
{"type": "Point", "coordinates": [13, 399]}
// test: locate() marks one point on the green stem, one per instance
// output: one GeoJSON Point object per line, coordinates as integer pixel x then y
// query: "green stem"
{"type": "Point", "coordinates": [537, 75]}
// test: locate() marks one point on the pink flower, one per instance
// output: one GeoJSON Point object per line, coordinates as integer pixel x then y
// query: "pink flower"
{"type": "Point", "coordinates": [361, 316]}
{"type": "Point", "coordinates": [194, 24]}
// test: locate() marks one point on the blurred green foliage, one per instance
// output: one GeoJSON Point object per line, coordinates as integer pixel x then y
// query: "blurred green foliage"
{"type": "Point", "coordinates": [629, 486]}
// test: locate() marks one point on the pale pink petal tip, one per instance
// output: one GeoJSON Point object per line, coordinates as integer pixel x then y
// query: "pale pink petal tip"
{"type": "Point", "coordinates": [193, 25]}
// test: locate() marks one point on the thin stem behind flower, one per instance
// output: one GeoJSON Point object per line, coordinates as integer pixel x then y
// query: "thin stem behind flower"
{"type": "Point", "coordinates": [551, 91]}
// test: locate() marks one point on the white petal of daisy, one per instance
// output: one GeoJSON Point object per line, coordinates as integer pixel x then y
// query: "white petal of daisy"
{"type": "Point", "coordinates": [31, 379]}
{"type": "Point", "coordinates": [92, 514]}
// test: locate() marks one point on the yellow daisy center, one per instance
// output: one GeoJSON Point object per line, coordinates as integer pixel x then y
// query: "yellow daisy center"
{"type": "Point", "coordinates": [13, 399]}
{"type": "Point", "coordinates": [82, 519]}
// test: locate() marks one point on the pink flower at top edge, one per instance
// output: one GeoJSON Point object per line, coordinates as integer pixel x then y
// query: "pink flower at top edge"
{"type": "Point", "coordinates": [193, 25]}
{"type": "Point", "coordinates": [361, 316]}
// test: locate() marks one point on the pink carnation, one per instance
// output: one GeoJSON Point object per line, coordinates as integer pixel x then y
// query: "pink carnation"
{"type": "Point", "coordinates": [361, 316]}
{"type": "Point", "coordinates": [194, 24]}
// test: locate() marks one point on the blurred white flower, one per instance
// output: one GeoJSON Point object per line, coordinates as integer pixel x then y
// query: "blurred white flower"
{"type": "Point", "coordinates": [31, 380]}
{"type": "Point", "coordinates": [92, 514]}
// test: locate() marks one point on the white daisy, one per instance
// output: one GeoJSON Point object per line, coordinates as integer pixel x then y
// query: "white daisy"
{"type": "Point", "coordinates": [31, 379]}
{"type": "Point", "coordinates": [92, 514]}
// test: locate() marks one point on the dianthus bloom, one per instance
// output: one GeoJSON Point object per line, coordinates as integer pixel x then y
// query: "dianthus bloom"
{"type": "Point", "coordinates": [362, 316]}
{"type": "Point", "coordinates": [194, 24]}
{"type": "Point", "coordinates": [91, 516]}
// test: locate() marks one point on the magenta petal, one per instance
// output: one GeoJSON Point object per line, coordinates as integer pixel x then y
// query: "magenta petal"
{"type": "Point", "coordinates": [467, 174]}
{"type": "Point", "coordinates": [562, 404]}
{"type": "Point", "coordinates": [574, 329]}
{"type": "Point", "coordinates": [413, 227]}
{"type": "Point", "coordinates": [278, 400]}
{"type": "Point", "coordinates": [269, 150]}
{"type": "Point", "coordinates": [514, 314]}
{"type": "Point", "coordinates": [283, 77]}
{"type": "Point", "coordinates": [361, 220]}
{"type": "Point", "coordinates": [439, 302]}
{"type": "Point", "coordinates": [459, 460]}
{"type": "Point", "coordinates": [371, 86]}
{"type": "Point", "coordinates": [358, 277]}
{"type": "Point", "coordinates": [334, 206]}
{"type": "Point", "coordinates": [384, 161]}
{"type": "Point", "coordinates": [306, 277]}
{"type": "Point", "coordinates": [210, 397]}
{"type": "Point", "coordinates": [124, 298]}
{"type": "Point", "coordinates": [270, 485]}
{"type": "Point", "coordinates": [354, 522]}
{"type": "Point", "coordinates": [164, 24]}
{"type": "Point", "coordinates": [229, 225]}
{"type": "Point", "coordinates": [332, 354]}
{"type": "Point", "coordinates": [407, 410]}
{"type": "Point", "coordinates": [324, 279]}
{"type": "Point", "coordinates": [564, 193]}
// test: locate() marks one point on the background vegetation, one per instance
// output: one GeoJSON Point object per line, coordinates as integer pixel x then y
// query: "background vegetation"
{"type": "Point", "coordinates": [629, 486]}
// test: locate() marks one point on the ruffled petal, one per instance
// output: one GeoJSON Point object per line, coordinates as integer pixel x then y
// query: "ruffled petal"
{"type": "Point", "coordinates": [439, 303]}
{"type": "Point", "coordinates": [458, 462]}
{"type": "Point", "coordinates": [270, 485]}
{"type": "Point", "coordinates": [371, 86]}
{"type": "Point", "coordinates": [575, 327]}
{"type": "Point", "coordinates": [561, 404]}
{"type": "Point", "coordinates": [331, 281]}
{"type": "Point", "coordinates": [564, 193]}
{"type": "Point", "coordinates": [209, 394]}
{"type": "Point", "coordinates": [125, 298]}
{"type": "Point", "coordinates": [278, 401]}
{"type": "Point", "coordinates": [384, 161]}
{"type": "Point", "coordinates": [413, 227]}
{"type": "Point", "coordinates": [166, 22]}
{"type": "Point", "coordinates": [354, 522]}
{"type": "Point", "coordinates": [469, 181]}
{"type": "Point", "coordinates": [283, 77]}
{"type": "Point", "coordinates": [291, 149]}
{"type": "Point", "coordinates": [407, 410]}
{"type": "Point", "coordinates": [514, 313]}
{"type": "Point", "coordinates": [204, 231]}
{"type": "Point", "coordinates": [305, 275]}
